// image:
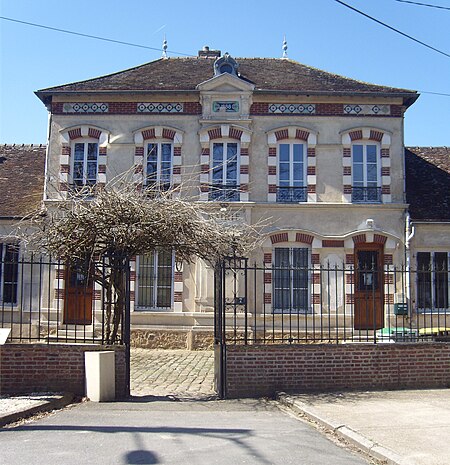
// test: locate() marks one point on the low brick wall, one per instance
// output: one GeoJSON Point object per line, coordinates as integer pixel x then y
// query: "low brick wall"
{"type": "Point", "coordinates": [255, 371]}
{"type": "Point", "coordinates": [26, 368]}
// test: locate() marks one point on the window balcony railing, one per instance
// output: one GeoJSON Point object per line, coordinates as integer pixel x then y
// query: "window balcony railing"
{"type": "Point", "coordinates": [366, 194]}
{"type": "Point", "coordinates": [224, 192]}
{"type": "Point", "coordinates": [292, 194]}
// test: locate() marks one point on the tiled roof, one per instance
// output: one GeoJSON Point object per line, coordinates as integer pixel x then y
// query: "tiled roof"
{"type": "Point", "coordinates": [21, 179]}
{"type": "Point", "coordinates": [428, 183]}
{"type": "Point", "coordinates": [268, 74]}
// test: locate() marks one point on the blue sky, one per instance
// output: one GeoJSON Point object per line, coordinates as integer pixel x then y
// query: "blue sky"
{"type": "Point", "coordinates": [320, 33]}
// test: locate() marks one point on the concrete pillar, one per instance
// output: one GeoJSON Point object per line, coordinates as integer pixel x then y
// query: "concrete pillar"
{"type": "Point", "coordinates": [100, 376]}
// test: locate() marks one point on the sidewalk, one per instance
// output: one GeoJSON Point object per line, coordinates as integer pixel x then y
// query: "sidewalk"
{"type": "Point", "coordinates": [15, 408]}
{"type": "Point", "coordinates": [404, 427]}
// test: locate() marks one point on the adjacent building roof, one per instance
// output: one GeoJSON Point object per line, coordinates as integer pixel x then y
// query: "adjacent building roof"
{"type": "Point", "coordinates": [428, 183]}
{"type": "Point", "coordinates": [21, 179]}
{"type": "Point", "coordinates": [267, 74]}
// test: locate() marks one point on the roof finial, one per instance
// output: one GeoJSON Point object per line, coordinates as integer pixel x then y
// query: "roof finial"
{"type": "Point", "coordinates": [284, 48]}
{"type": "Point", "coordinates": [164, 47]}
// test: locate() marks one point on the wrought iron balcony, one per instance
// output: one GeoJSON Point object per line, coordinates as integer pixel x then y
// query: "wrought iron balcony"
{"type": "Point", "coordinates": [366, 194]}
{"type": "Point", "coordinates": [224, 192]}
{"type": "Point", "coordinates": [292, 194]}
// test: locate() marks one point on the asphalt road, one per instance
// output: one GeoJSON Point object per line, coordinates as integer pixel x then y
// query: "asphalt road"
{"type": "Point", "coordinates": [152, 431]}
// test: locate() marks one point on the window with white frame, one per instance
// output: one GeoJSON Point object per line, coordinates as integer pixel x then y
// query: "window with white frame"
{"type": "Point", "coordinates": [433, 280]}
{"type": "Point", "coordinates": [225, 171]}
{"type": "Point", "coordinates": [291, 280]}
{"type": "Point", "coordinates": [85, 162]}
{"type": "Point", "coordinates": [159, 164]}
{"type": "Point", "coordinates": [155, 280]}
{"type": "Point", "coordinates": [9, 272]}
{"type": "Point", "coordinates": [291, 172]}
{"type": "Point", "coordinates": [366, 173]}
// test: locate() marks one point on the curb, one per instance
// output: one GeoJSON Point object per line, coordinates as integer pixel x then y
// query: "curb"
{"type": "Point", "coordinates": [44, 406]}
{"type": "Point", "coordinates": [373, 449]}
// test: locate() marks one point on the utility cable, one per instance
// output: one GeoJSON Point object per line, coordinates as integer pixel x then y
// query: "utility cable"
{"type": "Point", "coordinates": [65, 31]}
{"type": "Point", "coordinates": [424, 4]}
{"type": "Point", "coordinates": [147, 47]}
{"type": "Point", "coordinates": [393, 28]}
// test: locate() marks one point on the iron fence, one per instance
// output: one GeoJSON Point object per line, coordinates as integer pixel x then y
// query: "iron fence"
{"type": "Point", "coordinates": [327, 303]}
{"type": "Point", "coordinates": [46, 300]}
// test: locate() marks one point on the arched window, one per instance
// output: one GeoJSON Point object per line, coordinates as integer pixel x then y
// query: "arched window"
{"type": "Point", "coordinates": [157, 157]}
{"type": "Point", "coordinates": [83, 157]}
{"type": "Point", "coordinates": [291, 165]}
{"type": "Point", "coordinates": [366, 172]}
{"type": "Point", "coordinates": [85, 161]}
{"type": "Point", "coordinates": [159, 164]}
{"type": "Point", "coordinates": [366, 165]}
{"type": "Point", "coordinates": [224, 163]}
{"type": "Point", "coordinates": [225, 170]}
{"type": "Point", "coordinates": [291, 185]}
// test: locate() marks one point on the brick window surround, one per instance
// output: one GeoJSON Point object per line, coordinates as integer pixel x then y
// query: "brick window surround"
{"type": "Point", "coordinates": [366, 134]}
{"type": "Point", "coordinates": [148, 134]}
{"type": "Point", "coordinates": [81, 133]}
{"type": "Point", "coordinates": [292, 134]}
{"type": "Point", "coordinates": [225, 133]}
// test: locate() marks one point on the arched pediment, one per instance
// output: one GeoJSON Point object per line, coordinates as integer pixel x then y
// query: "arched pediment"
{"type": "Point", "coordinates": [158, 132]}
{"type": "Point", "coordinates": [292, 132]}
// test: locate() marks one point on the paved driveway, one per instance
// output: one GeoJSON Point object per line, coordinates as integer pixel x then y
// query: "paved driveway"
{"type": "Point", "coordinates": [171, 433]}
{"type": "Point", "coordinates": [177, 373]}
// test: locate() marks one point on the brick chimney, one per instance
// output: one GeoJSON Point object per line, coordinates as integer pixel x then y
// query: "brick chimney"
{"type": "Point", "coordinates": [207, 53]}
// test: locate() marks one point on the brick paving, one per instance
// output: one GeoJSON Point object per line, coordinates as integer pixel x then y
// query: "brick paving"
{"type": "Point", "coordinates": [181, 374]}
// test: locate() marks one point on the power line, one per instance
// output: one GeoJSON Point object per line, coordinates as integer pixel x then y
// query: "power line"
{"type": "Point", "coordinates": [65, 31]}
{"type": "Point", "coordinates": [434, 93]}
{"type": "Point", "coordinates": [424, 4]}
{"type": "Point", "coordinates": [393, 28]}
{"type": "Point", "coordinates": [159, 49]}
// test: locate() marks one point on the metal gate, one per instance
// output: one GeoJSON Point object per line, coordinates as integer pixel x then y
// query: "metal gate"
{"type": "Point", "coordinates": [230, 301]}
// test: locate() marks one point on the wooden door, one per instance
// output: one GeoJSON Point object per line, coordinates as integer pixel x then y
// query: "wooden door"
{"type": "Point", "coordinates": [78, 298]}
{"type": "Point", "coordinates": [369, 287]}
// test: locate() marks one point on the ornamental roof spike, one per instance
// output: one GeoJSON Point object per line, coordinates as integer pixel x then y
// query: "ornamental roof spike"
{"type": "Point", "coordinates": [284, 47]}
{"type": "Point", "coordinates": [164, 47]}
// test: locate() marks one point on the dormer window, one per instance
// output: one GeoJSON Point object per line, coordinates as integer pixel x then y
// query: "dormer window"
{"type": "Point", "coordinates": [225, 64]}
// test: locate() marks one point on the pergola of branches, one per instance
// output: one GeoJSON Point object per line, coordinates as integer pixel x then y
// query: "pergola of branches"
{"type": "Point", "coordinates": [114, 223]}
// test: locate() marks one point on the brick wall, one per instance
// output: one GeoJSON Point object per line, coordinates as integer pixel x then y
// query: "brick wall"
{"type": "Point", "coordinates": [26, 368]}
{"type": "Point", "coordinates": [254, 371]}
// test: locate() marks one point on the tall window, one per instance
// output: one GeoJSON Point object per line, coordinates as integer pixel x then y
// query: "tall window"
{"type": "Point", "coordinates": [224, 174]}
{"type": "Point", "coordinates": [9, 272]}
{"type": "Point", "coordinates": [85, 161]}
{"type": "Point", "coordinates": [366, 173]}
{"type": "Point", "coordinates": [159, 165]}
{"type": "Point", "coordinates": [290, 280]}
{"type": "Point", "coordinates": [155, 280]}
{"type": "Point", "coordinates": [291, 173]}
{"type": "Point", "coordinates": [433, 280]}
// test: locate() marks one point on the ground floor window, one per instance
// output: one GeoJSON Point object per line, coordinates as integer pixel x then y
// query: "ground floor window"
{"type": "Point", "coordinates": [155, 280]}
{"type": "Point", "coordinates": [433, 280]}
{"type": "Point", "coordinates": [290, 280]}
{"type": "Point", "coordinates": [9, 272]}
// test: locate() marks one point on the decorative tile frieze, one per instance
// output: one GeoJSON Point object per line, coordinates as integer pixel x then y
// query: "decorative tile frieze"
{"type": "Point", "coordinates": [292, 108]}
{"type": "Point", "coordinates": [159, 107]}
{"type": "Point", "coordinates": [351, 109]}
{"type": "Point", "coordinates": [85, 107]}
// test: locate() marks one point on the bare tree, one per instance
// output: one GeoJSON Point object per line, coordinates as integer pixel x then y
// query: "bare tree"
{"type": "Point", "coordinates": [98, 226]}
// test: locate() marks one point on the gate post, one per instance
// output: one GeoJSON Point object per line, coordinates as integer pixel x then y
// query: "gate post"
{"type": "Point", "coordinates": [219, 330]}
{"type": "Point", "coordinates": [127, 329]}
